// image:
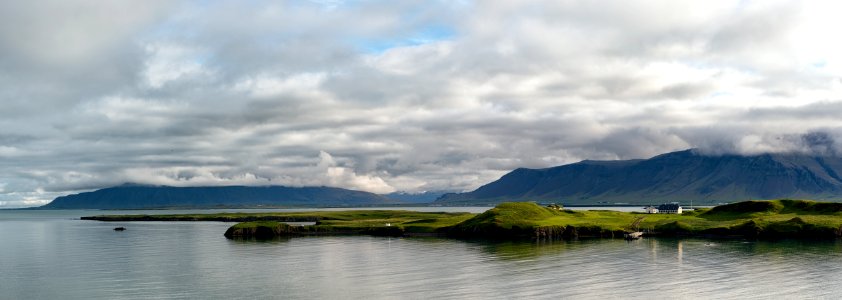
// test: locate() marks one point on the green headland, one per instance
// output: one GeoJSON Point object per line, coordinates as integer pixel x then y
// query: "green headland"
{"type": "Point", "coordinates": [523, 220]}
{"type": "Point", "coordinates": [750, 219]}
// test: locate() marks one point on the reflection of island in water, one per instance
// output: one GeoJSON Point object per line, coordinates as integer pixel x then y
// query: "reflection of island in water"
{"type": "Point", "coordinates": [694, 268]}
{"type": "Point", "coordinates": [655, 250]}
{"type": "Point", "coordinates": [680, 250]}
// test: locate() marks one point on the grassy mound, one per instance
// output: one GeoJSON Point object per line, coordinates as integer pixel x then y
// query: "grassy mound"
{"type": "Point", "coordinates": [751, 209]}
{"type": "Point", "coordinates": [765, 219]}
{"type": "Point", "coordinates": [529, 220]}
{"type": "Point", "coordinates": [779, 206]}
{"type": "Point", "coordinates": [752, 219]}
{"type": "Point", "coordinates": [506, 220]}
{"type": "Point", "coordinates": [258, 229]}
{"type": "Point", "coordinates": [744, 209]}
{"type": "Point", "coordinates": [512, 214]}
{"type": "Point", "coordinates": [810, 207]}
{"type": "Point", "coordinates": [273, 229]}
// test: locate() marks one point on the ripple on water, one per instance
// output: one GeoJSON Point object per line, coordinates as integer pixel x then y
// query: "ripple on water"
{"type": "Point", "coordinates": [59, 258]}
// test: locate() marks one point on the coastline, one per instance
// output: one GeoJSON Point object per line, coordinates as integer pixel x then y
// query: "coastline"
{"type": "Point", "coordinates": [775, 219]}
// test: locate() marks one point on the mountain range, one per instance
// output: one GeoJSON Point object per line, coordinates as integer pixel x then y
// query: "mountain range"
{"type": "Point", "coordinates": [132, 196]}
{"type": "Point", "coordinates": [415, 198]}
{"type": "Point", "coordinates": [688, 176]}
{"type": "Point", "coordinates": [682, 176]}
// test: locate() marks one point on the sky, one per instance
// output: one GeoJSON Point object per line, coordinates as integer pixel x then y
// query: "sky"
{"type": "Point", "coordinates": [387, 96]}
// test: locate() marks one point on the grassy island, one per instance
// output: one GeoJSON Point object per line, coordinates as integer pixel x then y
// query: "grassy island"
{"type": "Point", "coordinates": [376, 222]}
{"type": "Point", "coordinates": [370, 222]}
{"type": "Point", "coordinates": [750, 219]}
{"type": "Point", "coordinates": [517, 220]}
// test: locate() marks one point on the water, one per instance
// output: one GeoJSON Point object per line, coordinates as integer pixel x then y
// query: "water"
{"type": "Point", "coordinates": [53, 255]}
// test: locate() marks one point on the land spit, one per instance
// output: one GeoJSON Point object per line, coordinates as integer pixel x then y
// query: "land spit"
{"type": "Point", "coordinates": [774, 219]}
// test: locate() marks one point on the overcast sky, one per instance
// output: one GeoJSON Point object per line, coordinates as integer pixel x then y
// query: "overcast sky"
{"type": "Point", "coordinates": [389, 96]}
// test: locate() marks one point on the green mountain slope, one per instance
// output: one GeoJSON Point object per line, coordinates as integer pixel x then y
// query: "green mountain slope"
{"type": "Point", "coordinates": [679, 176]}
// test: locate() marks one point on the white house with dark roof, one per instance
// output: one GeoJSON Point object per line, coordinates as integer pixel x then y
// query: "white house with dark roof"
{"type": "Point", "coordinates": [669, 208]}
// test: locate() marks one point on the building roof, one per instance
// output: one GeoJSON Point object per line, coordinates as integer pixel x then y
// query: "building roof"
{"type": "Point", "coordinates": [669, 206]}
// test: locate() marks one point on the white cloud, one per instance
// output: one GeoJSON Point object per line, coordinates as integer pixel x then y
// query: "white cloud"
{"type": "Point", "coordinates": [168, 63]}
{"type": "Point", "coordinates": [410, 60]}
{"type": "Point", "coordinates": [62, 33]}
{"type": "Point", "coordinates": [215, 93]}
{"type": "Point", "coordinates": [346, 177]}
{"type": "Point", "coordinates": [122, 109]}
{"type": "Point", "coordinates": [9, 152]}
{"type": "Point", "coordinates": [263, 86]}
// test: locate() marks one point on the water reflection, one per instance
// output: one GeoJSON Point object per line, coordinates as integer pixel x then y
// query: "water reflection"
{"type": "Point", "coordinates": [252, 240]}
{"type": "Point", "coordinates": [519, 250]}
{"type": "Point", "coordinates": [658, 250]}
{"type": "Point", "coordinates": [72, 259]}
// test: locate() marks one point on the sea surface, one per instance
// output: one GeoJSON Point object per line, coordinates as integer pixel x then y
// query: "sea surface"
{"type": "Point", "coordinates": [54, 255]}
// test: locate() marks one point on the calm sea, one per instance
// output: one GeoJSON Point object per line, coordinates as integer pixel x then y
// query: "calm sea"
{"type": "Point", "coordinates": [54, 255]}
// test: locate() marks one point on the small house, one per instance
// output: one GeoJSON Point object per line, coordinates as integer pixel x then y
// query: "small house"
{"type": "Point", "coordinates": [651, 209]}
{"type": "Point", "coordinates": [669, 208]}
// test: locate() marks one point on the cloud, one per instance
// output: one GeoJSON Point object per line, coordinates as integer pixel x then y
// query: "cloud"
{"type": "Point", "coordinates": [409, 95]}
{"type": "Point", "coordinates": [341, 176]}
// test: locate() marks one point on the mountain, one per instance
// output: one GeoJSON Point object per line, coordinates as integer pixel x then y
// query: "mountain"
{"type": "Point", "coordinates": [682, 176]}
{"type": "Point", "coordinates": [418, 198]}
{"type": "Point", "coordinates": [130, 196]}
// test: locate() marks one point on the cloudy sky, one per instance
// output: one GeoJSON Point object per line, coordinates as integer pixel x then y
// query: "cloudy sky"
{"type": "Point", "coordinates": [389, 96]}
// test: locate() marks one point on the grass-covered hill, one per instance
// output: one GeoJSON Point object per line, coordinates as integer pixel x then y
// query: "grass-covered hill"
{"type": "Point", "coordinates": [753, 219]}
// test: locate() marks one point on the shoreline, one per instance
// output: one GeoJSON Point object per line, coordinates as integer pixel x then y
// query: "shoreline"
{"type": "Point", "coordinates": [774, 219]}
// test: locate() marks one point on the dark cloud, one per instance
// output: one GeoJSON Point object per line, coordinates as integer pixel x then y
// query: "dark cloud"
{"type": "Point", "coordinates": [819, 142]}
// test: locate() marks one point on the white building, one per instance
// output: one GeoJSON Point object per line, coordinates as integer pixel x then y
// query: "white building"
{"type": "Point", "coordinates": [651, 209]}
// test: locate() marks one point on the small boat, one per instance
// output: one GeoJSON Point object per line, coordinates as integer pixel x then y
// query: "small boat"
{"type": "Point", "coordinates": [633, 235]}
{"type": "Point", "coordinates": [119, 228]}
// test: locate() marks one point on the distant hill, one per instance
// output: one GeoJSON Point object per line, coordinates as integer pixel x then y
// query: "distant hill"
{"type": "Point", "coordinates": [678, 176]}
{"type": "Point", "coordinates": [140, 196]}
{"type": "Point", "coordinates": [419, 198]}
